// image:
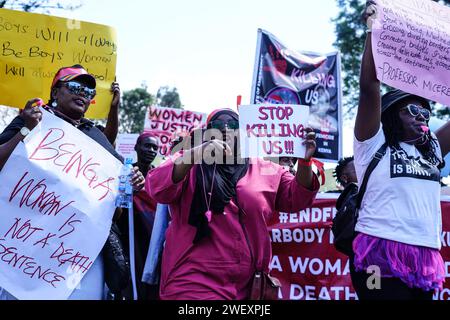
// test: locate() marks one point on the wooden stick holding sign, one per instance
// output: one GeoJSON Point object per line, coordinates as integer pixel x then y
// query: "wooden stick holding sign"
{"type": "Point", "coordinates": [268, 130]}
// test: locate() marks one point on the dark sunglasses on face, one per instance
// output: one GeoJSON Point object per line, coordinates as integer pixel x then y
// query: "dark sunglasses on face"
{"type": "Point", "coordinates": [220, 124]}
{"type": "Point", "coordinates": [415, 110]}
{"type": "Point", "coordinates": [80, 90]}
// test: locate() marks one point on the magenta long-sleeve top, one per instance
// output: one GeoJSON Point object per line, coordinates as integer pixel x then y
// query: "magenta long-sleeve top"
{"type": "Point", "coordinates": [221, 266]}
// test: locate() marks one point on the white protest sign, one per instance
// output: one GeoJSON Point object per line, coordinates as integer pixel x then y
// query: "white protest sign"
{"type": "Point", "coordinates": [125, 145]}
{"type": "Point", "coordinates": [411, 47]}
{"type": "Point", "coordinates": [268, 130]}
{"type": "Point", "coordinates": [57, 198]}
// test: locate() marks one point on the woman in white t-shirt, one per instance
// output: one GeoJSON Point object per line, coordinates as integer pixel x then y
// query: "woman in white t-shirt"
{"type": "Point", "coordinates": [396, 251]}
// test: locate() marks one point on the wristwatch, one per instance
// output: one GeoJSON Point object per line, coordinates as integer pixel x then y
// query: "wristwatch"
{"type": "Point", "coordinates": [24, 131]}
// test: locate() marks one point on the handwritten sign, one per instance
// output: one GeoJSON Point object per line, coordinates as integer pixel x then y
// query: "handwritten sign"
{"type": "Point", "coordinates": [57, 198]}
{"type": "Point", "coordinates": [166, 122]}
{"type": "Point", "coordinates": [411, 47]}
{"type": "Point", "coordinates": [125, 145]}
{"type": "Point", "coordinates": [34, 46]}
{"type": "Point", "coordinates": [268, 130]}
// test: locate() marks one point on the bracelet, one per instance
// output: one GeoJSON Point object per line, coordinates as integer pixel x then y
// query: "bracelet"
{"type": "Point", "coordinates": [305, 163]}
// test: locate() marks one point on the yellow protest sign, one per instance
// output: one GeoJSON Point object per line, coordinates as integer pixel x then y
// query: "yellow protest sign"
{"type": "Point", "coordinates": [34, 46]}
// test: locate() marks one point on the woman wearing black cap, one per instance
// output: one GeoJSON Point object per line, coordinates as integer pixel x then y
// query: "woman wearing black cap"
{"type": "Point", "coordinates": [399, 222]}
{"type": "Point", "coordinates": [72, 91]}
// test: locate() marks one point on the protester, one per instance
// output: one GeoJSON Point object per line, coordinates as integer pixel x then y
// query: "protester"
{"type": "Point", "coordinates": [152, 268]}
{"type": "Point", "coordinates": [399, 222]}
{"type": "Point", "coordinates": [287, 162]}
{"type": "Point", "coordinates": [218, 236]}
{"type": "Point", "coordinates": [144, 209]}
{"type": "Point", "coordinates": [344, 173]}
{"type": "Point", "coordinates": [72, 90]}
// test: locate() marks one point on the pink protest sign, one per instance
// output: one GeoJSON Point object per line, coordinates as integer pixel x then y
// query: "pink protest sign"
{"type": "Point", "coordinates": [268, 130]}
{"type": "Point", "coordinates": [166, 122]}
{"type": "Point", "coordinates": [411, 47]}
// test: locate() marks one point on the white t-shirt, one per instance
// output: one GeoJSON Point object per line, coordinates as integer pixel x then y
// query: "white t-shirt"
{"type": "Point", "coordinates": [402, 199]}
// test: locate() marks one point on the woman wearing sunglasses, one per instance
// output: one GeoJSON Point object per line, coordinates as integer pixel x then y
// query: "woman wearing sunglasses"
{"type": "Point", "coordinates": [219, 203]}
{"type": "Point", "coordinates": [72, 91]}
{"type": "Point", "coordinates": [399, 224]}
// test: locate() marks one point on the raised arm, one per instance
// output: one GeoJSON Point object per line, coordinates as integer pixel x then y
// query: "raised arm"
{"type": "Point", "coordinates": [368, 117]}
{"type": "Point", "coordinates": [304, 173]}
{"type": "Point", "coordinates": [31, 117]}
{"type": "Point", "coordinates": [112, 124]}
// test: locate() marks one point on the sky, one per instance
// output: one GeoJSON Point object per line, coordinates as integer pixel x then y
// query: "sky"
{"type": "Point", "coordinates": [206, 49]}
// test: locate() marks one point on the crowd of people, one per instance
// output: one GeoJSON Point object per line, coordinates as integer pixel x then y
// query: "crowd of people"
{"type": "Point", "coordinates": [200, 230]}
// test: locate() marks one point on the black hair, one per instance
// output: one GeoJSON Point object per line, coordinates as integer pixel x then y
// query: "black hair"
{"type": "Point", "coordinates": [393, 132]}
{"type": "Point", "coordinates": [339, 170]}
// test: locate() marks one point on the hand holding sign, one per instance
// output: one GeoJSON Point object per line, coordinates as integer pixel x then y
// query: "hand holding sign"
{"type": "Point", "coordinates": [275, 131]}
{"type": "Point", "coordinates": [115, 89]}
{"type": "Point", "coordinates": [369, 14]}
{"type": "Point", "coordinates": [32, 115]}
{"type": "Point", "coordinates": [410, 45]}
{"type": "Point", "coordinates": [310, 143]}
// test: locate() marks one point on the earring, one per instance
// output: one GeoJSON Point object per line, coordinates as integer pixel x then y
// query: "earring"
{"type": "Point", "coordinates": [54, 104]}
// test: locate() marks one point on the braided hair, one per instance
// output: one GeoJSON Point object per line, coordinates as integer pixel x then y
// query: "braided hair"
{"type": "Point", "coordinates": [339, 170]}
{"type": "Point", "coordinates": [392, 131]}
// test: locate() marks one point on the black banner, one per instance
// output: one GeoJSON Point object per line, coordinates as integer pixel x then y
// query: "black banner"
{"type": "Point", "coordinates": [286, 76]}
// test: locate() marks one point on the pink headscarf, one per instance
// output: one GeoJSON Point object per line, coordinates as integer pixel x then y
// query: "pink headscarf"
{"type": "Point", "coordinates": [217, 111]}
{"type": "Point", "coordinates": [146, 134]}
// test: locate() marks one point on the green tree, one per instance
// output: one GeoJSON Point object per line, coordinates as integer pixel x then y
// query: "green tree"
{"type": "Point", "coordinates": [350, 35]}
{"type": "Point", "coordinates": [168, 97]}
{"type": "Point", "coordinates": [133, 109]}
{"type": "Point", "coordinates": [33, 5]}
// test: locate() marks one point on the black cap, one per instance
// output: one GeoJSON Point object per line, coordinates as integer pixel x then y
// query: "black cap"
{"type": "Point", "coordinates": [392, 97]}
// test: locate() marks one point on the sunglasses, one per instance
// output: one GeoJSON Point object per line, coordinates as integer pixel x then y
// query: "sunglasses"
{"type": "Point", "coordinates": [80, 90]}
{"type": "Point", "coordinates": [415, 110]}
{"type": "Point", "coordinates": [220, 124]}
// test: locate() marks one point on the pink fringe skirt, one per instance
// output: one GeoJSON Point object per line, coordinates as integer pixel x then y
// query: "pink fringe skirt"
{"type": "Point", "coordinates": [418, 267]}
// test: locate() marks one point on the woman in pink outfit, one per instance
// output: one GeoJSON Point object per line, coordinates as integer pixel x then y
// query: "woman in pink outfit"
{"type": "Point", "coordinates": [218, 236]}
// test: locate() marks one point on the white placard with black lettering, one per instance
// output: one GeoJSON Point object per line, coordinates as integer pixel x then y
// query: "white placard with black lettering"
{"type": "Point", "coordinates": [57, 198]}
